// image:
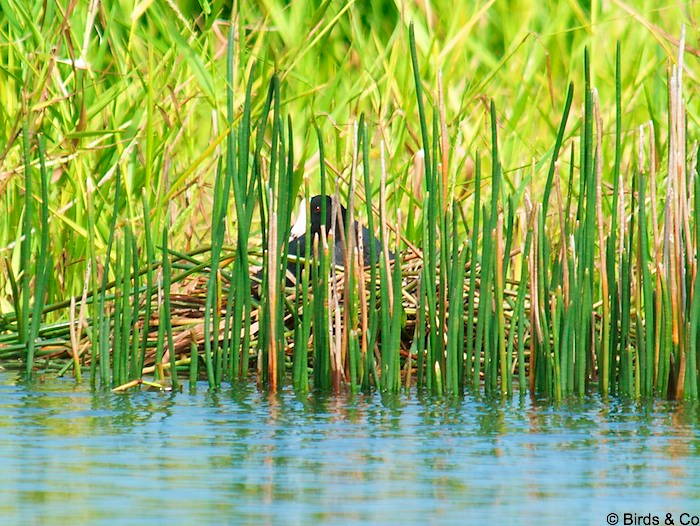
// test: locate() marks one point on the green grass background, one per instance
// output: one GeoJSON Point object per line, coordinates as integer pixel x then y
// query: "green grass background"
{"type": "Point", "coordinates": [141, 85]}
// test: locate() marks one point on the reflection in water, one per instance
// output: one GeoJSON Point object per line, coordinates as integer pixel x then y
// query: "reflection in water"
{"type": "Point", "coordinates": [70, 455]}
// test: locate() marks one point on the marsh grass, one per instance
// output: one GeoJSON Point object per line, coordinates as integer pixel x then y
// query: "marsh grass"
{"type": "Point", "coordinates": [584, 281]}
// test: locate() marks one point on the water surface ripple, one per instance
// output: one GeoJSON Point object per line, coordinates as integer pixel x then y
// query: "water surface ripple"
{"type": "Point", "coordinates": [69, 455]}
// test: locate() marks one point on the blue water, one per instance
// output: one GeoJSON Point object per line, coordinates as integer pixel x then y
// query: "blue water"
{"type": "Point", "coordinates": [71, 456]}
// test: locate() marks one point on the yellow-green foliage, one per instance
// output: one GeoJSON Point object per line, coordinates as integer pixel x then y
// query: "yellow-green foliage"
{"type": "Point", "coordinates": [141, 85]}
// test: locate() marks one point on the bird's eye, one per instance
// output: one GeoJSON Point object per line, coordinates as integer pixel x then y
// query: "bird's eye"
{"type": "Point", "coordinates": [317, 208]}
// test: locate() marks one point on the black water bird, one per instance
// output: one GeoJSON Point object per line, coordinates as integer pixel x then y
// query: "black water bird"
{"type": "Point", "coordinates": [322, 216]}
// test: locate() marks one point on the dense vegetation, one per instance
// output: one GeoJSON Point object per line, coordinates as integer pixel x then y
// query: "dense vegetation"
{"type": "Point", "coordinates": [533, 166]}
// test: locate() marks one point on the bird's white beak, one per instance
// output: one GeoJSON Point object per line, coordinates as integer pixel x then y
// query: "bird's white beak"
{"type": "Point", "coordinates": [299, 227]}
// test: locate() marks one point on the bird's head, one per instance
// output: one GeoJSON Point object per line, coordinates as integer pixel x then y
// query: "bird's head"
{"type": "Point", "coordinates": [321, 211]}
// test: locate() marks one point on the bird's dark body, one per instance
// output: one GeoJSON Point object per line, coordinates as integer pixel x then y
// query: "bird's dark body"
{"type": "Point", "coordinates": [297, 245]}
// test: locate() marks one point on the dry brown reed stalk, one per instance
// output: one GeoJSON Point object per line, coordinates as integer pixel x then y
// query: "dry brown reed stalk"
{"type": "Point", "coordinates": [604, 367]}
{"type": "Point", "coordinates": [77, 324]}
{"type": "Point", "coordinates": [681, 253]}
{"type": "Point", "coordinates": [350, 244]}
{"type": "Point", "coordinates": [272, 292]}
{"type": "Point", "coordinates": [362, 279]}
{"type": "Point", "coordinates": [335, 336]}
{"type": "Point", "coordinates": [161, 302]}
